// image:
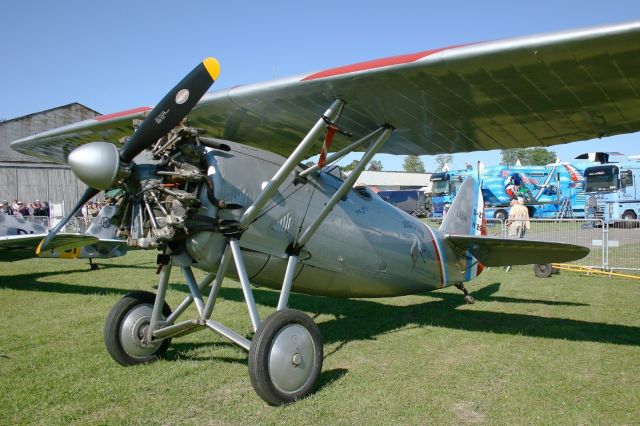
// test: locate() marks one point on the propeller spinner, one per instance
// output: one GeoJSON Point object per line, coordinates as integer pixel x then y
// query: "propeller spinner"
{"type": "Point", "coordinates": [99, 164]}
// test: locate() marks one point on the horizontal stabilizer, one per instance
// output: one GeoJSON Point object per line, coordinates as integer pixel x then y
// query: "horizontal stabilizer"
{"type": "Point", "coordinates": [503, 251]}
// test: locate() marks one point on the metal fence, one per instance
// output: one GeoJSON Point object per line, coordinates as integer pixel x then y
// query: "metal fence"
{"type": "Point", "coordinates": [75, 224]}
{"type": "Point", "coordinates": [612, 246]}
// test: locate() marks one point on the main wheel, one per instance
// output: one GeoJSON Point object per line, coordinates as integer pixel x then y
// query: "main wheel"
{"type": "Point", "coordinates": [285, 357]}
{"type": "Point", "coordinates": [126, 326]}
{"type": "Point", "coordinates": [500, 215]}
{"type": "Point", "coordinates": [542, 270]}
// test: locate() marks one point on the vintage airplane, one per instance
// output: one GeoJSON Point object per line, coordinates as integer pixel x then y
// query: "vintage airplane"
{"type": "Point", "coordinates": [241, 194]}
{"type": "Point", "coordinates": [19, 239]}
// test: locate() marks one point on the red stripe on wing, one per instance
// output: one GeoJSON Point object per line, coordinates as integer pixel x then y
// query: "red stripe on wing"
{"type": "Point", "coordinates": [378, 63]}
{"type": "Point", "coordinates": [121, 114]}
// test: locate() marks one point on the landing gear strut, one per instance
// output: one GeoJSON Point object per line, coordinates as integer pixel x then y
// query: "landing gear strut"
{"type": "Point", "coordinates": [467, 297]}
{"type": "Point", "coordinates": [285, 354]}
{"type": "Point", "coordinates": [93, 266]}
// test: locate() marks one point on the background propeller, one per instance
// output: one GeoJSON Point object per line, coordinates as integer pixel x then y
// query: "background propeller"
{"type": "Point", "coordinates": [166, 115]}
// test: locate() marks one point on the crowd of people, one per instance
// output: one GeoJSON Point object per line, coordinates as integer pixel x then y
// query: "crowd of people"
{"type": "Point", "coordinates": [18, 208]}
{"type": "Point", "coordinates": [90, 210]}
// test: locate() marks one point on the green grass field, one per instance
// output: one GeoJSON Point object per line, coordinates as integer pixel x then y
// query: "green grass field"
{"type": "Point", "coordinates": [562, 350]}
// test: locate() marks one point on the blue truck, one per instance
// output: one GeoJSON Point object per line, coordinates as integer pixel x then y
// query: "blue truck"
{"type": "Point", "coordinates": [615, 189]}
{"type": "Point", "coordinates": [444, 187]}
{"type": "Point", "coordinates": [412, 201]}
{"type": "Point", "coordinates": [552, 191]}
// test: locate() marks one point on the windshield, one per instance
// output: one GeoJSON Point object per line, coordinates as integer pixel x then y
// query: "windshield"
{"type": "Point", "coordinates": [440, 187]}
{"type": "Point", "coordinates": [601, 183]}
{"type": "Point", "coordinates": [456, 185]}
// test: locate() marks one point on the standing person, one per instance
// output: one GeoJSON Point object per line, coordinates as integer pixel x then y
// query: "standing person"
{"type": "Point", "coordinates": [92, 210]}
{"type": "Point", "coordinates": [24, 209]}
{"type": "Point", "coordinates": [518, 221]}
{"type": "Point", "coordinates": [37, 208]}
{"type": "Point", "coordinates": [6, 208]}
{"type": "Point", "coordinates": [592, 206]}
{"type": "Point", "coordinates": [85, 214]}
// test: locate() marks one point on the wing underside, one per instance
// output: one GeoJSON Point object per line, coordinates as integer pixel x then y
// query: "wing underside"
{"type": "Point", "coordinates": [536, 90]}
{"type": "Point", "coordinates": [503, 252]}
{"type": "Point", "coordinates": [17, 247]}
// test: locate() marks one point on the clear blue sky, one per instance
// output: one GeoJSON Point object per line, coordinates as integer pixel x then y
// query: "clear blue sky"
{"type": "Point", "coordinates": [116, 55]}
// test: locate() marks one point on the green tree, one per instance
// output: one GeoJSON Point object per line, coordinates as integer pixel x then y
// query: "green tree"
{"type": "Point", "coordinates": [350, 166]}
{"type": "Point", "coordinates": [413, 163]}
{"type": "Point", "coordinates": [538, 156]}
{"type": "Point", "coordinates": [442, 160]}
{"type": "Point", "coordinates": [510, 156]}
{"type": "Point", "coordinates": [375, 166]}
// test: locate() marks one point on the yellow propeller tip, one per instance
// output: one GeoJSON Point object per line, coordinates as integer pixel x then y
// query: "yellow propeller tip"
{"type": "Point", "coordinates": [39, 247]}
{"type": "Point", "coordinates": [213, 67]}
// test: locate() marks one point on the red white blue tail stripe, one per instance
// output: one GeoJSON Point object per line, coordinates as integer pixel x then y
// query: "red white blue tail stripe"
{"type": "Point", "coordinates": [478, 227]}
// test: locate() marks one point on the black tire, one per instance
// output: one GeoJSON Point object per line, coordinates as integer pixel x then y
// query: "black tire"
{"type": "Point", "coordinates": [628, 216]}
{"type": "Point", "coordinates": [500, 215]}
{"type": "Point", "coordinates": [542, 270]}
{"type": "Point", "coordinates": [133, 308]}
{"type": "Point", "coordinates": [285, 375]}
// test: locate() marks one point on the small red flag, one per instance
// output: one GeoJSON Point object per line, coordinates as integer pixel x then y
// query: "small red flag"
{"type": "Point", "coordinates": [331, 131]}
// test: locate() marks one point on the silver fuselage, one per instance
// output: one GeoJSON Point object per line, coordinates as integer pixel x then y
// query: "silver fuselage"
{"type": "Point", "coordinates": [365, 247]}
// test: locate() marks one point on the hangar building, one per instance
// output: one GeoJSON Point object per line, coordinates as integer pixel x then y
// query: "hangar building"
{"type": "Point", "coordinates": [386, 181]}
{"type": "Point", "coordinates": [28, 178]}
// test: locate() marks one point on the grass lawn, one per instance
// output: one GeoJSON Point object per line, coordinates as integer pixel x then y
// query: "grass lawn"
{"type": "Point", "coordinates": [562, 350]}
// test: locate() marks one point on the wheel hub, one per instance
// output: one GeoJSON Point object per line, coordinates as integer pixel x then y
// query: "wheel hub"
{"type": "Point", "coordinates": [296, 359]}
{"type": "Point", "coordinates": [133, 332]}
{"type": "Point", "coordinates": [290, 358]}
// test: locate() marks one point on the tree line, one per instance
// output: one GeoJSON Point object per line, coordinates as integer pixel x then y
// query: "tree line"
{"type": "Point", "coordinates": [538, 156]}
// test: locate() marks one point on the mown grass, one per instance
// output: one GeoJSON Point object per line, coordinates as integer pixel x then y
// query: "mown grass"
{"type": "Point", "coordinates": [562, 350]}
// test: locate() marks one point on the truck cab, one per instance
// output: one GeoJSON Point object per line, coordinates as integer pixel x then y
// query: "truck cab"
{"type": "Point", "coordinates": [615, 189]}
{"type": "Point", "coordinates": [444, 187]}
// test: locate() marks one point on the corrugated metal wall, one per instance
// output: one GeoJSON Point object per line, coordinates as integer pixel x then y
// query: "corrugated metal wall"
{"type": "Point", "coordinates": [28, 179]}
{"type": "Point", "coordinates": [55, 185]}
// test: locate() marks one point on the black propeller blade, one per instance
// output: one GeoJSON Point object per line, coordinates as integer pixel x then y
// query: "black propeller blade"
{"type": "Point", "coordinates": [166, 115]}
{"type": "Point", "coordinates": [88, 194]}
{"type": "Point", "coordinates": [174, 107]}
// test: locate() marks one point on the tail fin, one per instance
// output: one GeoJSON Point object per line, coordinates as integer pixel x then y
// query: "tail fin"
{"type": "Point", "coordinates": [466, 214]}
{"type": "Point", "coordinates": [101, 226]}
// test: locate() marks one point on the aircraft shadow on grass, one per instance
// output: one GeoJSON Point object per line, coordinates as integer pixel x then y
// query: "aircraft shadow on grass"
{"type": "Point", "coordinates": [358, 319]}
{"type": "Point", "coordinates": [31, 282]}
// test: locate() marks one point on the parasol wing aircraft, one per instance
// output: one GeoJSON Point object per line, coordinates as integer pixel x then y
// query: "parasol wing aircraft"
{"type": "Point", "coordinates": [226, 184]}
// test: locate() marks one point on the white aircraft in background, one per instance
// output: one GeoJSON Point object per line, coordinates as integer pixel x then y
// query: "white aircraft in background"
{"type": "Point", "coordinates": [19, 239]}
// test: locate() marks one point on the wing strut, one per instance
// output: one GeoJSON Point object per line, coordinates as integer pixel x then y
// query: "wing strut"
{"type": "Point", "coordinates": [296, 156]}
{"type": "Point", "coordinates": [341, 192]}
{"type": "Point", "coordinates": [160, 329]}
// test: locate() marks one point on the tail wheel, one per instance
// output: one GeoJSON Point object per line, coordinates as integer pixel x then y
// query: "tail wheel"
{"type": "Point", "coordinates": [543, 270]}
{"type": "Point", "coordinates": [285, 358]}
{"type": "Point", "coordinates": [126, 326]}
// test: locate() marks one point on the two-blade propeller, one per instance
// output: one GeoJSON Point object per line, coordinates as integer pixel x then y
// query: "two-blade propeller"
{"type": "Point", "coordinates": [98, 163]}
